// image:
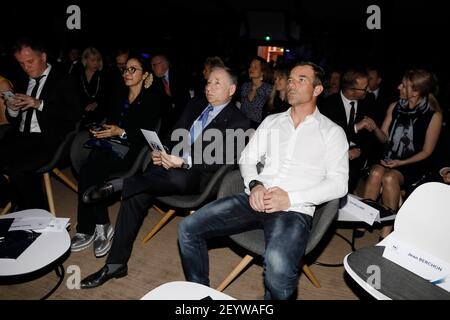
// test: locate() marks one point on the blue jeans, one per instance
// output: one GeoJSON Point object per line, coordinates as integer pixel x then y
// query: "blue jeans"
{"type": "Point", "coordinates": [286, 234]}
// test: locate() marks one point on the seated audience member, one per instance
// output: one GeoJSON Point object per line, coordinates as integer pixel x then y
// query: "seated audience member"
{"type": "Point", "coordinates": [348, 109]}
{"type": "Point", "coordinates": [5, 85]}
{"type": "Point", "coordinates": [410, 132]}
{"type": "Point", "coordinates": [45, 108]}
{"type": "Point", "coordinates": [333, 83]}
{"type": "Point", "coordinates": [256, 92]}
{"type": "Point", "coordinates": [174, 89]}
{"type": "Point", "coordinates": [115, 71]}
{"type": "Point", "coordinates": [92, 86]}
{"type": "Point", "coordinates": [184, 173]}
{"type": "Point", "coordinates": [210, 63]}
{"type": "Point", "coordinates": [140, 108]}
{"type": "Point", "coordinates": [278, 97]}
{"type": "Point", "coordinates": [281, 199]}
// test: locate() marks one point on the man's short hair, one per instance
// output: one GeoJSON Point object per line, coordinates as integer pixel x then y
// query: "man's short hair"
{"type": "Point", "coordinates": [349, 78]}
{"type": "Point", "coordinates": [33, 44]}
{"type": "Point", "coordinates": [319, 73]}
{"type": "Point", "coordinates": [231, 74]}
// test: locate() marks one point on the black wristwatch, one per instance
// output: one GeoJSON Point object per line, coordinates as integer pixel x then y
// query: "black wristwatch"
{"type": "Point", "coordinates": [253, 184]}
{"type": "Point", "coordinates": [185, 166]}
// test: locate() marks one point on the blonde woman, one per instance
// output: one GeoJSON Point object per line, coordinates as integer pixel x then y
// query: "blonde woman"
{"type": "Point", "coordinates": [92, 86]}
{"type": "Point", "coordinates": [410, 133]}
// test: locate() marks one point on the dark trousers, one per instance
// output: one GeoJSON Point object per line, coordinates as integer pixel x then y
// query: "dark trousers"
{"type": "Point", "coordinates": [136, 202]}
{"type": "Point", "coordinates": [21, 156]}
{"type": "Point", "coordinates": [97, 169]}
{"type": "Point", "coordinates": [286, 234]}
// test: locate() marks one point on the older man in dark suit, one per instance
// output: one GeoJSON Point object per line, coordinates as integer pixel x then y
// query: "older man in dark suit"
{"type": "Point", "coordinates": [174, 89]}
{"type": "Point", "coordinates": [44, 109]}
{"type": "Point", "coordinates": [185, 173]}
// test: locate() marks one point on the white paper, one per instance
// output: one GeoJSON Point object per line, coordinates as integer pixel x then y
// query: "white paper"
{"type": "Point", "coordinates": [153, 140]}
{"type": "Point", "coordinates": [356, 210]}
{"type": "Point", "coordinates": [30, 223]}
{"type": "Point", "coordinates": [56, 225]}
{"type": "Point", "coordinates": [419, 262]}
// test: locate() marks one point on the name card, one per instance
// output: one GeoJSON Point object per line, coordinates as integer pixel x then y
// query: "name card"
{"type": "Point", "coordinates": [356, 210]}
{"type": "Point", "coordinates": [421, 263]}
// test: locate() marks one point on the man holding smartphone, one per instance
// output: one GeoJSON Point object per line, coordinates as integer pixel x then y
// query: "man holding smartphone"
{"type": "Point", "coordinates": [42, 111]}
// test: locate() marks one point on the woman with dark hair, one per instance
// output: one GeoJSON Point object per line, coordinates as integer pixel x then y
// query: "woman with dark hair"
{"type": "Point", "coordinates": [254, 94]}
{"type": "Point", "coordinates": [410, 132]}
{"type": "Point", "coordinates": [278, 97]}
{"type": "Point", "coordinates": [130, 111]}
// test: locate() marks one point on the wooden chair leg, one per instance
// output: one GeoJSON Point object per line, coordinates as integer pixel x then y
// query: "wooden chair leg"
{"type": "Point", "coordinates": [159, 210]}
{"type": "Point", "coordinates": [158, 227]}
{"type": "Point", "coordinates": [6, 209]}
{"type": "Point", "coordinates": [236, 271]}
{"type": "Point", "coordinates": [65, 179]}
{"type": "Point", "coordinates": [49, 191]}
{"type": "Point", "coordinates": [311, 276]}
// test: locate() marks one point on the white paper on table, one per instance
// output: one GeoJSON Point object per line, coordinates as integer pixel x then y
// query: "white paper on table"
{"type": "Point", "coordinates": [153, 140]}
{"type": "Point", "coordinates": [56, 225]}
{"type": "Point", "coordinates": [30, 223]}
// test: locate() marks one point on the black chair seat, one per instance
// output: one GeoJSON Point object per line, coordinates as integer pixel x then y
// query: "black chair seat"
{"type": "Point", "coordinates": [394, 277]}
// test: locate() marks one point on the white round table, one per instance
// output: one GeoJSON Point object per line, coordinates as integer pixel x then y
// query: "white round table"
{"type": "Point", "coordinates": [43, 252]}
{"type": "Point", "coordinates": [184, 290]}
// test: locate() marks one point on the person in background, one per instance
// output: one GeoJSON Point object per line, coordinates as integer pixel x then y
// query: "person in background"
{"type": "Point", "coordinates": [174, 89]}
{"type": "Point", "coordinates": [93, 86]}
{"type": "Point", "coordinates": [278, 97]}
{"type": "Point", "coordinates": [256, 92]}
{"type": "Point", "coordinates": [410, 133]}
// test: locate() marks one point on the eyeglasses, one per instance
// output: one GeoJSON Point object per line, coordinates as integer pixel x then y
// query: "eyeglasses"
{"type": "Point", "coordinates": [130, 70]}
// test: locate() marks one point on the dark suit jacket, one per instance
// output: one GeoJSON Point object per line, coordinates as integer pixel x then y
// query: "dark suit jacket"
{"type": "Point", "coordinates": [61, 109]}
{"type": "Point", "coordinates": [229, 118]}
{"type": "Point", "coordinates": [144, 113]}
{"type": "Point", "coordinates": [173, 105]}
{"type": "Point", "coordinates": [333, 108]}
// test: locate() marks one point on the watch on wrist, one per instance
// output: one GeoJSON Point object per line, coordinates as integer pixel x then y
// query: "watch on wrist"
{"type": "Point", "coordinates": [185, 165]}
{"type": "Point", "coordinates": [123, 135]}
{"type": "Point", "coordinates": [253, 184]}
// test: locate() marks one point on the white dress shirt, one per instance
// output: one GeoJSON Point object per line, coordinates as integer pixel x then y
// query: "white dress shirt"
{"type": "Point", "coordinates": [34, 126]}
{"type": "Point", "coordinates": [309, 162]}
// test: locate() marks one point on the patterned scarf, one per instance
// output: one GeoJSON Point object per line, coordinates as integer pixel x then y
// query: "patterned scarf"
{"type": "Point", "coordinates": [401, 136]}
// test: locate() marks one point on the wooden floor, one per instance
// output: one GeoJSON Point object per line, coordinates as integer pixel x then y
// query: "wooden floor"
{"type": "Point", "coordinates": [158, 262]}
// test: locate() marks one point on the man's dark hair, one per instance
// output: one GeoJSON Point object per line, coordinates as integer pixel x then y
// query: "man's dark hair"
{"type": "Point", "coordinates": [349, 78]}
{"type": "Point", "coordinates": [33, 44]}
{"type": "Point", "coordinates": [319, 73]}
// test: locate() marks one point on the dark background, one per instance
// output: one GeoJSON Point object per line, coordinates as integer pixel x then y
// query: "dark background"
{"type": "Point", "coordinates": [332, 33]}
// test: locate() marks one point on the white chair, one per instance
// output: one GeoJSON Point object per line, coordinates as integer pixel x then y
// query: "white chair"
{"type": "Point", "coordinates": [184, 290]}
{"type": "Point", "coordinates": [423, 223]}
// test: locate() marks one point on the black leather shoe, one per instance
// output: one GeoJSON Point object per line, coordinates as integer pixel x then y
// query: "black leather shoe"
{"type": "Point", "coordinates": [97, 193]}
{"type": "Point", "coordinates": [103, 275]}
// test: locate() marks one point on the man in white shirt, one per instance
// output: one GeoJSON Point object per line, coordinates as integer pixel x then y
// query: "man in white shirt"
{"type": "Point", "coordinates": [306, 164]}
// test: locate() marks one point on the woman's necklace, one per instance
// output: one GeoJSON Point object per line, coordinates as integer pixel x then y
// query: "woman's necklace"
{"type": "Point", "coordinates": [85, 89]}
